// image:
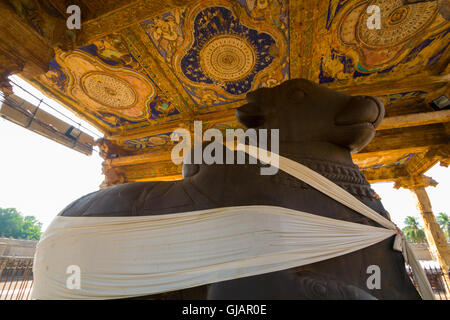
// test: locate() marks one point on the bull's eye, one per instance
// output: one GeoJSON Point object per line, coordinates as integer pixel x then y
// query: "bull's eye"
{"type": "Point", "coordinates": [296, 94]}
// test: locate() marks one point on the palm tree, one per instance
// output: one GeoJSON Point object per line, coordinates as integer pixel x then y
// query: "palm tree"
{"type": "Point", "coordinates": [444, 221]}
{"type": "Point", "coordinates": [412, 230]}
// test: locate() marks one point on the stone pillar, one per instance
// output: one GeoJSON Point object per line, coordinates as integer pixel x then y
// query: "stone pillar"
{"type": "Point", "coordinates": [435, 236]}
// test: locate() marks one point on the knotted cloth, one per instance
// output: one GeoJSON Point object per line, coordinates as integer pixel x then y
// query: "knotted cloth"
{"type": "Point", "coordinates": [335, 192]}
{"type": "Point", "coordinates": [122, 257]}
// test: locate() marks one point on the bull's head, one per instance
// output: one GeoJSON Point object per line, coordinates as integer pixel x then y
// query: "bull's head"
{"type": "Point", "coordinates": [306, 112]}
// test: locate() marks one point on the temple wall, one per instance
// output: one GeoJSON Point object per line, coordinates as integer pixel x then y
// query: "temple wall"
{"type": "Point", "coordinates": [421, 251]}
{"type": "Point", "coordinates": [17, 247]}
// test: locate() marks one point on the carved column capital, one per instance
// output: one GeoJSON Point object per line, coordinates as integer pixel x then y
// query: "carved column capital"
{"type": "Point", "coordinates": [415, 182]}
{"type": "Point", "coordinates": [113, 176]}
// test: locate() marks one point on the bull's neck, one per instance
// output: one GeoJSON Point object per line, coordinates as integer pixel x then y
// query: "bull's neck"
{"type": "Point", "coordinates": [321, 151]}
{"type": "Point", "coordinates": [331, 161]}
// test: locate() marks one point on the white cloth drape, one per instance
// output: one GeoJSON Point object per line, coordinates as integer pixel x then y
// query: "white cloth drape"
{"type": "Point", "coordinates": [133, 256]}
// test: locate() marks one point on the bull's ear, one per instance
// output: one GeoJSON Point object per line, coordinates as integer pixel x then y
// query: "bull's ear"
{"type": "Point", "coordinates": [250, 115]}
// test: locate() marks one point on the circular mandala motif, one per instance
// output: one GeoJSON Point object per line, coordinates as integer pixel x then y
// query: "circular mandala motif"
{"type": "Point", "coordinates": [398, 15]}
{"type": "Point", "coordinates": [108, 90]}
{"type": "Point", "coordinates": [399, 22]}
{"type": "Point", "coordinates": [227, 58]}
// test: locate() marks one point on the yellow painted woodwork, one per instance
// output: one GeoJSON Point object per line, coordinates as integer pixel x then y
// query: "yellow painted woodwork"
{"type": "Point", "coordinates": [136, 70]}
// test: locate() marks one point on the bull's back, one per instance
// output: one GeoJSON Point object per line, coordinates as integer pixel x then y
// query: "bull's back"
{"type": "Point", "coordinates": [344, 277]}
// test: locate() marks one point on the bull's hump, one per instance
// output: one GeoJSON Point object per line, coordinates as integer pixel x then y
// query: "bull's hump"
{"type": "Point", "coordinates": [138, 199]}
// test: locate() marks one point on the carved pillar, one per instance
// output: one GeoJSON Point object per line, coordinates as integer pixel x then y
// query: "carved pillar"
{"type": "Point", "coordinates": [109, 150]}
{"type": "Point", "coordinates": [435, 236]}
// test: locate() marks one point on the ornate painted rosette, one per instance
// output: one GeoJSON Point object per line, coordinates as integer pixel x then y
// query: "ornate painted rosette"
{"type": "Point", "coordinates": [399, 22]}
{"type": "Point", "coordinates": [108, 90]}
{"type": "Point", "coordinates": [227, 58]}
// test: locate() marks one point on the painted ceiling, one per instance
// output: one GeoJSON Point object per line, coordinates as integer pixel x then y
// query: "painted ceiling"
{"type": "Point", "coordinates": [138, 78]}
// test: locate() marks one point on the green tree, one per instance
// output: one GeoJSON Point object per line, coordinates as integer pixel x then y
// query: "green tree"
{"type": "Point", "coordinates": [13, 224]}
{"type": "Point", "coordinates": [444, 221]}
{"type": "Point", "coordinates": [412, 231]}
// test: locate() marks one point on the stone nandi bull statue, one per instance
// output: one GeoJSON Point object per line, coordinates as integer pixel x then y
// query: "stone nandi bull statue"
{"type": "Point", "coordinates": [318, 128]}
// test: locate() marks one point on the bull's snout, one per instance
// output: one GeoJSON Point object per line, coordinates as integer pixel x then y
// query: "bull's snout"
{"type": "Point", "coordinates": [359, 110]}
{"type": "Point", "coordinates": [252, 114]}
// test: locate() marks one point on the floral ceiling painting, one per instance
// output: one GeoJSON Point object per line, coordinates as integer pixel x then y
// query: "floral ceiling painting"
{"type": "Point", "coordinates": [409, 40]}
{"type": "Point", "coordinates": [144, 73]}
{"type": "Point", "coordinates": [221, 50]}
{"type": "Point", "coordinates": [109, 84]}
{"type": "Point", "coordinates": [207, 55]}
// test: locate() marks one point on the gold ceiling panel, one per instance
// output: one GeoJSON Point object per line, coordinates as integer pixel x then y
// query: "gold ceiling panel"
{"type": "Point", "coordinates": [150, 67]}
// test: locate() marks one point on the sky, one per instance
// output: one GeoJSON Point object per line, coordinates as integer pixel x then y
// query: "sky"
{"type": "Point", "coordinates": [38, 176]}
{"type": "Point", "coordinates": [41, 177]}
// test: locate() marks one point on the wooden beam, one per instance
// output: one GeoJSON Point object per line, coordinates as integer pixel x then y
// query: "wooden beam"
{"type": "Point", "coordinates": [22, 48]}
{"type": "Point", "coordinates": [385, 174]}
{"type": "Point", "coordinates": [216, 117]}
{"type": "Point", "coordinates": [416, 119]}
{"type": "Point", "coordinates": [421, 163]}
{"type": "Point", "coordinates": [361, 156]}
{"type": "Point", "coordinates": [173, 177]}
{"type": "Point", "coordinates": [407, 138]}
{"type": "Point", "coordinates": [151, 156]}
{"type": "Point", "coordinates": [304, 18]}
{"type": "Point", "coordinates": [419, 82]}
{"type": "Point", "coordinates": [126, 16]}
{"type": "Point", "coordinates": [151, 171]}
{"type": "Point", "coordinates": [148, 56]}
